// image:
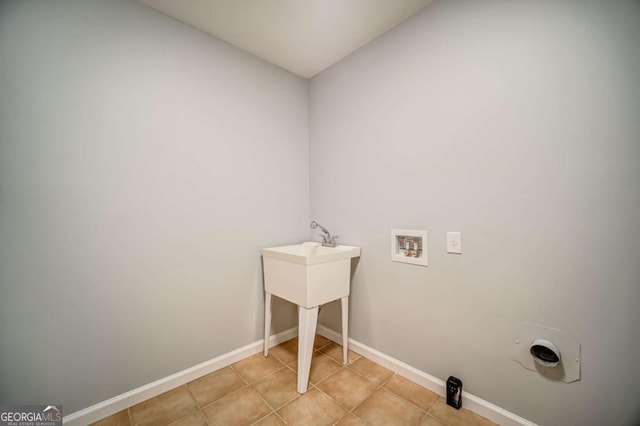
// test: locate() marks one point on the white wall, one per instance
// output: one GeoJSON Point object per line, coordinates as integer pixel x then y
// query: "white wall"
{"type": "Point", "coordinates": [518, 124]}
{"type": "Point", "coordinates": [143, 165]}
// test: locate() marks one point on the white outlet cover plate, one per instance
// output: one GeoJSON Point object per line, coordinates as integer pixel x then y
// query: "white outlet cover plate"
{"type": "Point", "coordinates": [454, 242]}
{"type": "Point", "coordinates": [569, 368]}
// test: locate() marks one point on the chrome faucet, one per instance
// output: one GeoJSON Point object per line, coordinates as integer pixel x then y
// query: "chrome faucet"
{"type": "Point", "coordinates": [327, 239]}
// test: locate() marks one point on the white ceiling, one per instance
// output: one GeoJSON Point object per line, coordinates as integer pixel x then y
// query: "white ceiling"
{"type": "Point", "coordinates": [303, 36]}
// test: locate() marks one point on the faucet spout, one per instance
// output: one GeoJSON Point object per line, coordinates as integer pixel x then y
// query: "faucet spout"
{"type": "Point", "coordinates": [327, 239]}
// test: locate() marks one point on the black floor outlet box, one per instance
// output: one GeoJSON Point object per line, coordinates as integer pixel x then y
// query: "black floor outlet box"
{"type": "Point", "coordinates": [454, 392]}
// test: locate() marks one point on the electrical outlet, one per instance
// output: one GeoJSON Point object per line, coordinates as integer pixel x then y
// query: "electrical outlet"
{"type": "Point", "coordinates": [454, 243]}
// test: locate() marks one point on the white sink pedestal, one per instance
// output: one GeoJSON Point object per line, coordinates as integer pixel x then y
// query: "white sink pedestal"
{"type": "Point", "coordinates": [308, 275]}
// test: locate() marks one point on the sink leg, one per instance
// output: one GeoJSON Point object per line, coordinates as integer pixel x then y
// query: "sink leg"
{"type": "Point", "coordinates": [345, 328]}
{"type": "Point", "coordinates": [307, 319]}
{"type": "Point", "coordinates": [267, 322]}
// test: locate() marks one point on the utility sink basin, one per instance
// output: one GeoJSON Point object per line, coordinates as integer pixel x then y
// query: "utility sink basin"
{"type": "Point", "coordinates": [308, 274]}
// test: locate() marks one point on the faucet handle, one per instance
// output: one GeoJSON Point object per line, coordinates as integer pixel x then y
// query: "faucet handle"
{"type": "Point", "coordinates": [332, 241]}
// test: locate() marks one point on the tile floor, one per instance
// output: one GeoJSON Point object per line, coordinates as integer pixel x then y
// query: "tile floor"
{"type": "Point", "coordinates": [262, 391]}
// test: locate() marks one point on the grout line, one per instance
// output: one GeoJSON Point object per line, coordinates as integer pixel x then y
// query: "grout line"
{"type": "Point", "coordinates": [339, 404]}
{"type": "Point", "coordinates": [405, 399]}
{"type": "Point", "coordinates": [434, 403]}
{"type": "Point", "coordinates": [277, 358]}
{"type": "Point", "coordinates": [198, 410]}
{"type": "Point", "coordinates": [445, 421]}
{"type": "Point", "coordinates": [264, 400]}
{"type": "Point", "coordinates": [358, 374]}
{"type": "Point", "coordinates": [227, 395]}
{"type": "Point", "coordinates": [192, 397]}
{"type": "Point", "coordinates": [129, 416]}
{"type": "Point", "coordinates": [358, 405]}
{"type": "Point", "coordinates": [237, 373]}
{"type": "Point", "coordinates": [280, 417]}
{"type": "Point", "coordinates": [347, 411]}
{"type": "Point", "coordinates": [363, 401]}
{"type": "Point", "coordinates": [288, 402]}
{"type": "Point", "coordinates": [268, 375]}
{"type": "Point", "coordinates": [341, 360]}
{"type": "Point", "coordinates": [325, 345]}
{"type": "Point", "coordinates": [191, 414]}
{"type": "Point", "coordinates": [329, 376]}
{"type": "Point", "coordinates": [206, 419]}
{"type": "Point", "coordinates": [384, 383]}
{"type": "Point", "coordinates": [291, 368]}
{"type": "Point", "coordinates": [379, 385]}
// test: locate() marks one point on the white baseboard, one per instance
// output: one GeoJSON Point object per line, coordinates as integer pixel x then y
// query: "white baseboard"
{"type": "Point", "coordinates": [118, 403]}
{"type": "Point", "coordinates": [471, 402]}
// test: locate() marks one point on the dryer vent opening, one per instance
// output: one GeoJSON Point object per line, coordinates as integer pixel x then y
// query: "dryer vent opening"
{"type": "Point", "coordinates": [545, 353]}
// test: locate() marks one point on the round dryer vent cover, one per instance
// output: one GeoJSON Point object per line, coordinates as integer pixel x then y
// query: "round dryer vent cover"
{"type": "Point", "coordinates": [547, 351]}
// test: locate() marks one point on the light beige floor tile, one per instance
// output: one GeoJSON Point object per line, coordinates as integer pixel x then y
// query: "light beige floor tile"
{"type": "Point", "coordinates": [214, 386]}
{"type": "Point", "coordinates": [334, 351]}
{"type": "Point", "coordinates": [371, 371]}
{"type": "Point", "coordinates": [286, 352]}
{"type": "Point", "coordinates": [271, 420]}
{"type": "Point", "coordinates": [195, 419]}
{"type": "Point", "coordinates": [243, 407]}
{"type": "Point", "coordinates": [320, 341]}
{"type": "Point", "coordinates": [351, 420]}
{"type": "Point", "coordinates": [312, 408]}
{"type": "Point", "coordinates": [461, 417]}
{"type": "Point", "coordinates": [278, 388]}
{"type": "Point", "coordinates": [119, 419]}
{"type": "Point", "coordinates": [321, 367]}
{"type": "Point", "coordinates": [429, 420]}
{"type": "Point", "coordinates": [347, 388]}
{"type": "Point", "coordinates": [256, 367]}
{"type": "Point", "coordinates": [165, 408]}
{"type": "Point", "coordinates": [384, 408]}
{"type": "Point", "coordinates": [412, 392]}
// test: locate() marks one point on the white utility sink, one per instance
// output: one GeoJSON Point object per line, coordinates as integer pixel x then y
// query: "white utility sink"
{"type": "Point", "coordinates": [311, 253]}
{"type": "Point", "coordinates": [308, 275]}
